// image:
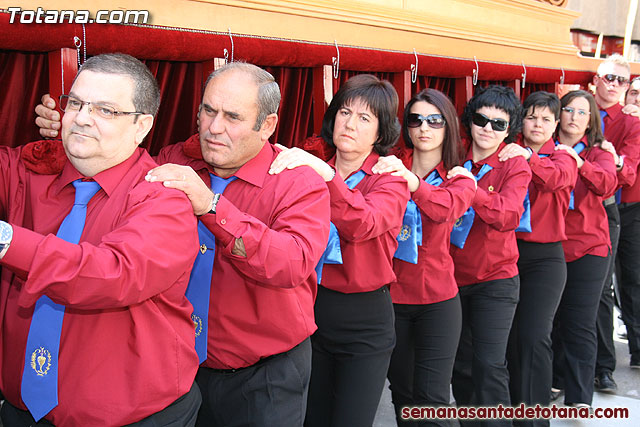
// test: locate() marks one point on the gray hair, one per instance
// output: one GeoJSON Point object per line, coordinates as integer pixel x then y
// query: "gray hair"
{"type": "Point", "coordinates": [268, 90]}
{"type": "Point", "coordinates": [146, 95]}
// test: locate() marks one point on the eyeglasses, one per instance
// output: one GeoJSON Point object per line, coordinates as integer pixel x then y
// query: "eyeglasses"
{"type": "Point", "coordinates": [435, 121]}
{"type": "Point", "coordinates": [69, 103]}
{"type": "Point", "coordinates": [613, 77]}
{"type": "Point", "coordinates": [571, 110]}
{"type": "Point", "coordinates": [499, 125]}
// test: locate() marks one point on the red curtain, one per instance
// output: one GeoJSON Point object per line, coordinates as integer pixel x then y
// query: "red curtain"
{"type": "Point", "coordinates": [443, 84]}
{"type": "Point", "coordinates": [24, 78]}
{"type": "Point", "coordinates": [295, 116]}
{"type": "Point", "coordinates": [529, 88]}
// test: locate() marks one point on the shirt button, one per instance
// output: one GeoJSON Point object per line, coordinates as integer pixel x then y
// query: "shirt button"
{"type": "Point", "coordinates": [223, 221]}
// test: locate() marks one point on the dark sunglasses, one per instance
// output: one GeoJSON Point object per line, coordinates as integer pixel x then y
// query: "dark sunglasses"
{"type": "Point", "coordinates": [499, 125]}
{"type": "Point", "coordinates": [613, 77]}
{"type": "Point", "coordinates": [435, 121]}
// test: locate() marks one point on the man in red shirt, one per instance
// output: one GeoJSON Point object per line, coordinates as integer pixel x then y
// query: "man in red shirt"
{"type": "Point", "coordinates": [111, 276]}
{"type": "Point", "coordinates": [623, 131]}
{"type": "Point", "coordinates": [270, 232]}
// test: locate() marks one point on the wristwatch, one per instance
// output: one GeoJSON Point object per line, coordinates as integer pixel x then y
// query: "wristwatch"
{"type": "Point", "coordinates": [620, 162]}
{"type": "Point", "coordinates": [6, 235]}
{"type": "Point", "coordinates": [214, 202]}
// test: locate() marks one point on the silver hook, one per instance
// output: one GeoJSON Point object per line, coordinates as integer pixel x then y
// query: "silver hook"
{"type": "Point", "coordinates": [414, 67]}
{"type": "Point", "coordinates": [336, 61]}
{"type": "Point", "coordinates": [475, 72]}
{"type": "Point", "coordinates": [226, 56]}
{"type": "Point", "coordinates": [562, 76]}
{"type": "Point", "coordinates": [524, 75]}
{"type": "Point", "coordinates": [226, 53]}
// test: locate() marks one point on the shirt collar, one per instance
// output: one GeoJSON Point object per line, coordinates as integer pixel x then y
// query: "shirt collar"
{"type": "Point", "coordinates": [439, 167]}
{"type": "Point", "coordinates": [548, 147]}
{"type": "Point", "coordinates": [613, 111]}
{"type": "Point", "coordinates": [257, 168]}
{"type": "Point", "coordinates": [492, 160]}
{"type": "Point", "coordinates": [368, 163]}
{"type": "Point", "coordinates": [108, 179]}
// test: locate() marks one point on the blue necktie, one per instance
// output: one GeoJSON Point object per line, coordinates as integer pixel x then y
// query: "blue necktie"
{"type": "Point", "coordinates": [578, 149]}
{"type": "Point", "coordinates": [462, 227]}
{"type": "Point", "coordinates": [332, 254]}
{"type": "Point", "coordinates": [525, 220]}
{"type": "Point", "coordinates": [603, 114]}
{"type": "Point", "coordinates": [40, 375]}
{"type": "Point", "coordinates": [199, 288]}
{"type": "Point", "coordinates": [410, 236]}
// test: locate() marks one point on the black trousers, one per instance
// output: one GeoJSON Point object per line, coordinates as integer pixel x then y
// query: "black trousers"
{"type": "Point", "coordinates": [270, 393]}
{"type": "Point", "coordinates": [574, 335]}
{"type": "Point", "coordinates": [180, 413]}
{"type": "Point", "coordinates": [351, 352]}
{"type": "Point", "coordinates": [629, 280]}
{"type": "Point", "coordinates": [480, 375]}
{"type": "Point", "coordinates": [543, 273]}
{"type": "Point", "coordinates": [421, 366]}
{"type": "Point", "coordinates": [606, 355]}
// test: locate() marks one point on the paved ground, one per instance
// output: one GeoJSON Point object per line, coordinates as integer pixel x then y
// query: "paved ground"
{"type": "Point", "coordinates": [628, 396]}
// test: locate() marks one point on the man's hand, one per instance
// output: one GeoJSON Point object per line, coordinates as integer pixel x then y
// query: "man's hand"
{"type": "Point", "coordinates": [632, 110]}
{"type": "Point", "coordinates": [459, 170]}
{"type": "Point", "coordinates": [185, 179]}
{"type": "Point", "coordinates": [572, 152]}
{"type": "Point", "coordinates": [48, 119]}
{"type": "Point", "coordinates": [291, 158]}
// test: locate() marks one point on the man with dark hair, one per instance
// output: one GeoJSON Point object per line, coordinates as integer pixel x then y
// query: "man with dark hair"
{"type": "Point", "coordinates": [95, 325]}
{"type": "Point", "coordinates": [623, 131]}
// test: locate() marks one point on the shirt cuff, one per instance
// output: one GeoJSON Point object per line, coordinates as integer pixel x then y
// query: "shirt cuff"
{"type": "Point", "coordinates": [224, 224]}
{"type": "Point", "coordinates": [22, 250]}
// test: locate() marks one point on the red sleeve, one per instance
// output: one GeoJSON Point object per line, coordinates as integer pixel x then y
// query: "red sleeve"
{"type": "Point", "coordinates": [153, 244]}
{"type": "Point", "coordinates": [599, 172]}
{"type": "Point", "coordinates": [358, 217]}
{"type": "Point", "coordinates": [446, 202]}
{"type": "Point", "coordinates": [284, 252]}
{"type": "Point", "coordinates": [629, 147]}
{"type": "Point", "coordinates": [502, 209]}
{"type": "Point", "coordinates": [553, 173]}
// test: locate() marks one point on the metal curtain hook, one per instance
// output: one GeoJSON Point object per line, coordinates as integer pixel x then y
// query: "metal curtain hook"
{"type": "Point", "coordinates": [562, 76]}
{"type": "Point", "coordinates": [524, 75]}
{"type": "Point", "coordinates": [77, 42]}
{"type": "Point", "coordinates": [226, 52]}
{"type": "Point", "coordinates": [336, 61]}
{"type": "Point", "coordinates": [414, 67]}
{"type": "Point", "coordinates": [475, 72]}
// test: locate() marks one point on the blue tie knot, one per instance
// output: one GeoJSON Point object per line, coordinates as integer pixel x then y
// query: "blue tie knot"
{"type": "Point", "coordinates": [85, 190]}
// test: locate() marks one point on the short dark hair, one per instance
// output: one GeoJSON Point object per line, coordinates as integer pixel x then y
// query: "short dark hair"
{"type": "Point", "coordinates": [382, 100]}
{"type": "Point", "coordinates": [146, 94]}
{"type": "Point", "coordinates": [452, 150]}
{"type": "Point", "coordinates": [542, 99]}
{"type": "Point", "coordinates": [633, 80]}
{"type": "Point", "coordinates": [268, 90]}
{"type": "Point", "coordinates": [500, 97]}
{"type": "Point", "coordinates": [594, 129]}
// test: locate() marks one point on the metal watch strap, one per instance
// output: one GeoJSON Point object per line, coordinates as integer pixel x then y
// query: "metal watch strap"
{"type": "Point", "coordinates": [214, 202]}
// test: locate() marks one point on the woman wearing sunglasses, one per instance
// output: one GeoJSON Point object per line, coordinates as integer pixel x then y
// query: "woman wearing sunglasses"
{"type": "Point", "coordinates": [484, 249]}
{"type": "Point", "coordinates": [355, 337]}
{"type": "Point", "coordinates": [425, 295]}
{"type": "Point", "coordinates": [586, 249]}
{"type": "Point", "coordinates": [541, 264]}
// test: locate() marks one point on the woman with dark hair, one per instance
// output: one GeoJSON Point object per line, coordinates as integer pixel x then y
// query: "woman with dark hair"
{"type": "Point", "coordinates": [484, 250]}
{"type": "Point", "coordinates": [425, 295]}
{"type": "Point", "coordinates": [541, 264]}
{"type": "Point", "coordinates": [355, 337]}
{"type": "Point", "coordinates": [586, 249]}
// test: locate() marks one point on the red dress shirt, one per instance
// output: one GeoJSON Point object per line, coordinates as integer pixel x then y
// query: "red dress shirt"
{"type": "Point", "coordinates": [623, 131]}
{"type": "Point", "coordinates": [261, 304]}
{"type": "Point", "coordinates": [127, 344]}
{"type": "Point", "coordinates": [491, 251]}
{"type": "Point", "coordinates": [368, 219]}
{"type": "Point", "coordinates": [431, 280]}
{"type": "Point", "coordinates": [586, 225]}
{"type": "Point", "coordinates": [552, 179]}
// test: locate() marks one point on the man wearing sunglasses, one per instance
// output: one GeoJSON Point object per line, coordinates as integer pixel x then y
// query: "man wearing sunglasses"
{"type": "Point", "coordinates": [623, 131]}
{"type": "Point", "coordinates": [95, 262]}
